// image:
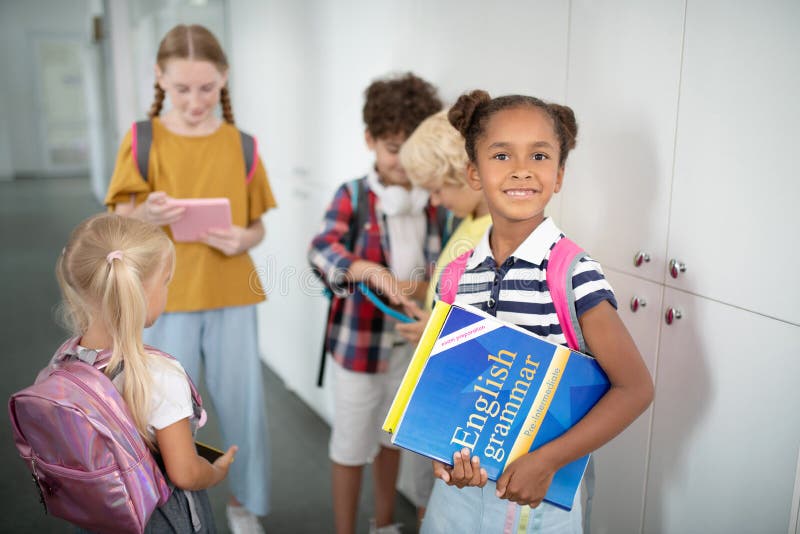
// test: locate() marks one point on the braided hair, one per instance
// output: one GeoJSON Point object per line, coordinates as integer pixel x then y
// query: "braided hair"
{"type": "Point", "coordinates": [191, 42]}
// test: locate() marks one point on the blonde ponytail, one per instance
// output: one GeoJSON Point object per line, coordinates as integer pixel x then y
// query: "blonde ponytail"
{"type": "Point", "coordinates": [125, 307]}
{"type": "Point", "coordinates": [96, 284]}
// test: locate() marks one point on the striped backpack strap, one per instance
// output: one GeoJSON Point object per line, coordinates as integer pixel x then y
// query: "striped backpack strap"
{"type": "Point", "coordinates": [451, 274]}
{"type": "Point", "coordinates": [141, 141]}
{"type": "Point", "coordinates": [250, 152]}
{"type": "Point", "coordinates": [564, 256]}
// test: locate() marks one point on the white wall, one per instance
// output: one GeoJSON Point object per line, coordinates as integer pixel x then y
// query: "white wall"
{"type": "Point", "coordinates": [21, 142]}
{"type": "Point", "coordinates": [299, 71]}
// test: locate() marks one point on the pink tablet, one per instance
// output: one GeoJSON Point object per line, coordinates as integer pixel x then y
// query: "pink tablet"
{"type": "Point", "coordinates": [201, 215]}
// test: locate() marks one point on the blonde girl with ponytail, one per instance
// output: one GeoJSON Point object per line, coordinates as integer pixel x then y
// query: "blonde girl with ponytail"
{"type": "Point", "coordinates": [113, 273]}
{"type": "Point", "coordinates": [210, 321]}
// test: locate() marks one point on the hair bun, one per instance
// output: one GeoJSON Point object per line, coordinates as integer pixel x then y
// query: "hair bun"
{"type": "Point", "coordinates": [460, 115]}
{"type": "Point", "coordinates": [567, 119]}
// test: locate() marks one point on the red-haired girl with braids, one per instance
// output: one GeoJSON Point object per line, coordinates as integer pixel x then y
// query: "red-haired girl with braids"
{"type": "Point", "coordinates": [210, 313]}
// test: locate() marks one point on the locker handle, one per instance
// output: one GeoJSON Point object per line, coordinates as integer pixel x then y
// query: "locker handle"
{"type": "Point", "coordinates": [673, 314]}
{"type": "Point", "coordinates": [636, 303]}
{"type": "Point", "coordinates": [676, 267]}
{"type": "Point", "coordinates": [640, 257]}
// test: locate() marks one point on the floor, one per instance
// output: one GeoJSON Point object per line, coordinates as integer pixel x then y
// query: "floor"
{"type": "Point", "coordinates": [36, 217]}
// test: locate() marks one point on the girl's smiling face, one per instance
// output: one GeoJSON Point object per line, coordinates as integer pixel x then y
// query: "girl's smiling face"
{"type": "Point", "coordinates": [517, 164]}
{"type": "Point", "coordinates": [193, 88]}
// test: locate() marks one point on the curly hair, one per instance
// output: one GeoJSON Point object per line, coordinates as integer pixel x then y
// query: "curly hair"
{"type": "Point", "coordinates": [472, 111]}
{"type": "Point", "coordinates": [396, 105]}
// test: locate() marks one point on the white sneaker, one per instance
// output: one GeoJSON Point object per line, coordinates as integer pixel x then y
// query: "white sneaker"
{"type": "Point", "coordinates": [241, 521]}
{"type": "Point", "coordinates": [394, 528]}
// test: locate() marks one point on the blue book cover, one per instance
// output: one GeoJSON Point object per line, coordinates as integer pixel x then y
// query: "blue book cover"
{"type": "Point", "coordinates": [496, 389]}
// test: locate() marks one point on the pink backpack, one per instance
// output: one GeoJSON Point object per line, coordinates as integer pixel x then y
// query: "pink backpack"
{"type": "Point", "coordinates": [564, 255]}
{"type": "Point", "coordinates": [75, 434]}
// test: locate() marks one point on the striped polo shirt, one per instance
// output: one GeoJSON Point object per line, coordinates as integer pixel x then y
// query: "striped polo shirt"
{"type": "Point", "coordinates": [517, 292]}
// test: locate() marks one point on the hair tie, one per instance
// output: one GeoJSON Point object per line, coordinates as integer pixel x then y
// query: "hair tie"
{"type": "Point", "coordinates": [114, 255]}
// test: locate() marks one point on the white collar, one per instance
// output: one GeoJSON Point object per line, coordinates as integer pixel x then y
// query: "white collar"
{"type": "Point", "coordinates": [533, 250]}
{"type": "Point", "coordinates": [397, 200]}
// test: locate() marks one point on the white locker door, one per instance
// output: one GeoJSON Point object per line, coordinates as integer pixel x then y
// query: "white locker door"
{"type": "Point", "coordinates": [623, 83]}
{"type": "Point", "coordinates": [620, 466]}
{"type": "Point", "coordinates": [733, 220]}
{"type": "Point", "coordinates": [725, 431]}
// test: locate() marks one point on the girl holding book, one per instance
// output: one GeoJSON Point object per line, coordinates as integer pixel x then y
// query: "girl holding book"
{"type": "Point", "coordinates": [210, 318]}
{"type": "Point", "coordinates": [517, 148]}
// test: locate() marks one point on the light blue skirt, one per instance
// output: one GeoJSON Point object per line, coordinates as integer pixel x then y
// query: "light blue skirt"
{"type": "Point", "coordinates": [478, 510]}
{"type": "Point", "coordinates": [224, 341]}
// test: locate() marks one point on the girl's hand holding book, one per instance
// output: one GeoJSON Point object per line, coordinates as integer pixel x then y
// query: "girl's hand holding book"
{"type": "Point", "coordinates": [235, 240]}
{"type": "Point", "coordinates": [466, 471]}
{"type": "Point", "coordinates": [156, 210]}
{"type": "Point", "coordinates": [229, 241]}
{"type": "Point", "coordinates": [223, 463]}
{"type": "Point", "coordinates": [525, 480]}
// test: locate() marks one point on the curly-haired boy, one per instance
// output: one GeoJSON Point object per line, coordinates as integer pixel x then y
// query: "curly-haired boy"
{"type": "Point", "coordinates": [392, 251]}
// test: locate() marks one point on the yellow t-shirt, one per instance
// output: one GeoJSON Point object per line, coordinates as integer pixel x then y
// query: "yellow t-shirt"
{"type": "Point", "coordinates": [200, 167]}
{"type": "Point", "coordinates": [466, 236]}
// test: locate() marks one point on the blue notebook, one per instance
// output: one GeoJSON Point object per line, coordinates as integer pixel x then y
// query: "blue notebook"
{"type": "Point", "coordinates": [495, 388]}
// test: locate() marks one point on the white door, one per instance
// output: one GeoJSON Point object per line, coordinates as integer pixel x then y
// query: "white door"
{"type": "Point", "coordinates": [623, 82]}
{"type": "Point", "coordinates": [733, 220]}
{"type": "Point", "coordinates": [621, 465]}
{"type": "Point", "coordinates": [59, 67]}
{"type": "Point", "coordinates": [725, 430]}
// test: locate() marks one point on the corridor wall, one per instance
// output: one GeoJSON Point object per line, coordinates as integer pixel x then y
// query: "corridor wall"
{"type": "Point", "coordinates": [688, 116]}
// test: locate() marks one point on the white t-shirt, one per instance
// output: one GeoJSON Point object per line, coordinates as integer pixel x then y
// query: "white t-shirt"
{"type": "Point", "coordinates": [170, 394]}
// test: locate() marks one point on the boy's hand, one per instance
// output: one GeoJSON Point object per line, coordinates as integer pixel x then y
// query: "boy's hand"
{"type": "Point", "coordinates": [465, 472]}
{"type": "Point", "coordinates": [526, 479]}
{"type": "Point", "coordinates": [383, 282]}
{"type": "Point", "coordinates": [158, 210]}
{"type": "Point", "coordinates": [413, 310]}
{"type": "Point", "coordinates": [413, 331]}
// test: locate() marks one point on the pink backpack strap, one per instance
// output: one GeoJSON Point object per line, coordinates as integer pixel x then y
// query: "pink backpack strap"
{"type": "Point", "coordinates": [451, 274]}
{"type": "Point", "coordinates": [564, 255]}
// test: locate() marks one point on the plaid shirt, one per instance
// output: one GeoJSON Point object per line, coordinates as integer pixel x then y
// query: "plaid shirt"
{"type": "Point", "coordinates": [358, 335]}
